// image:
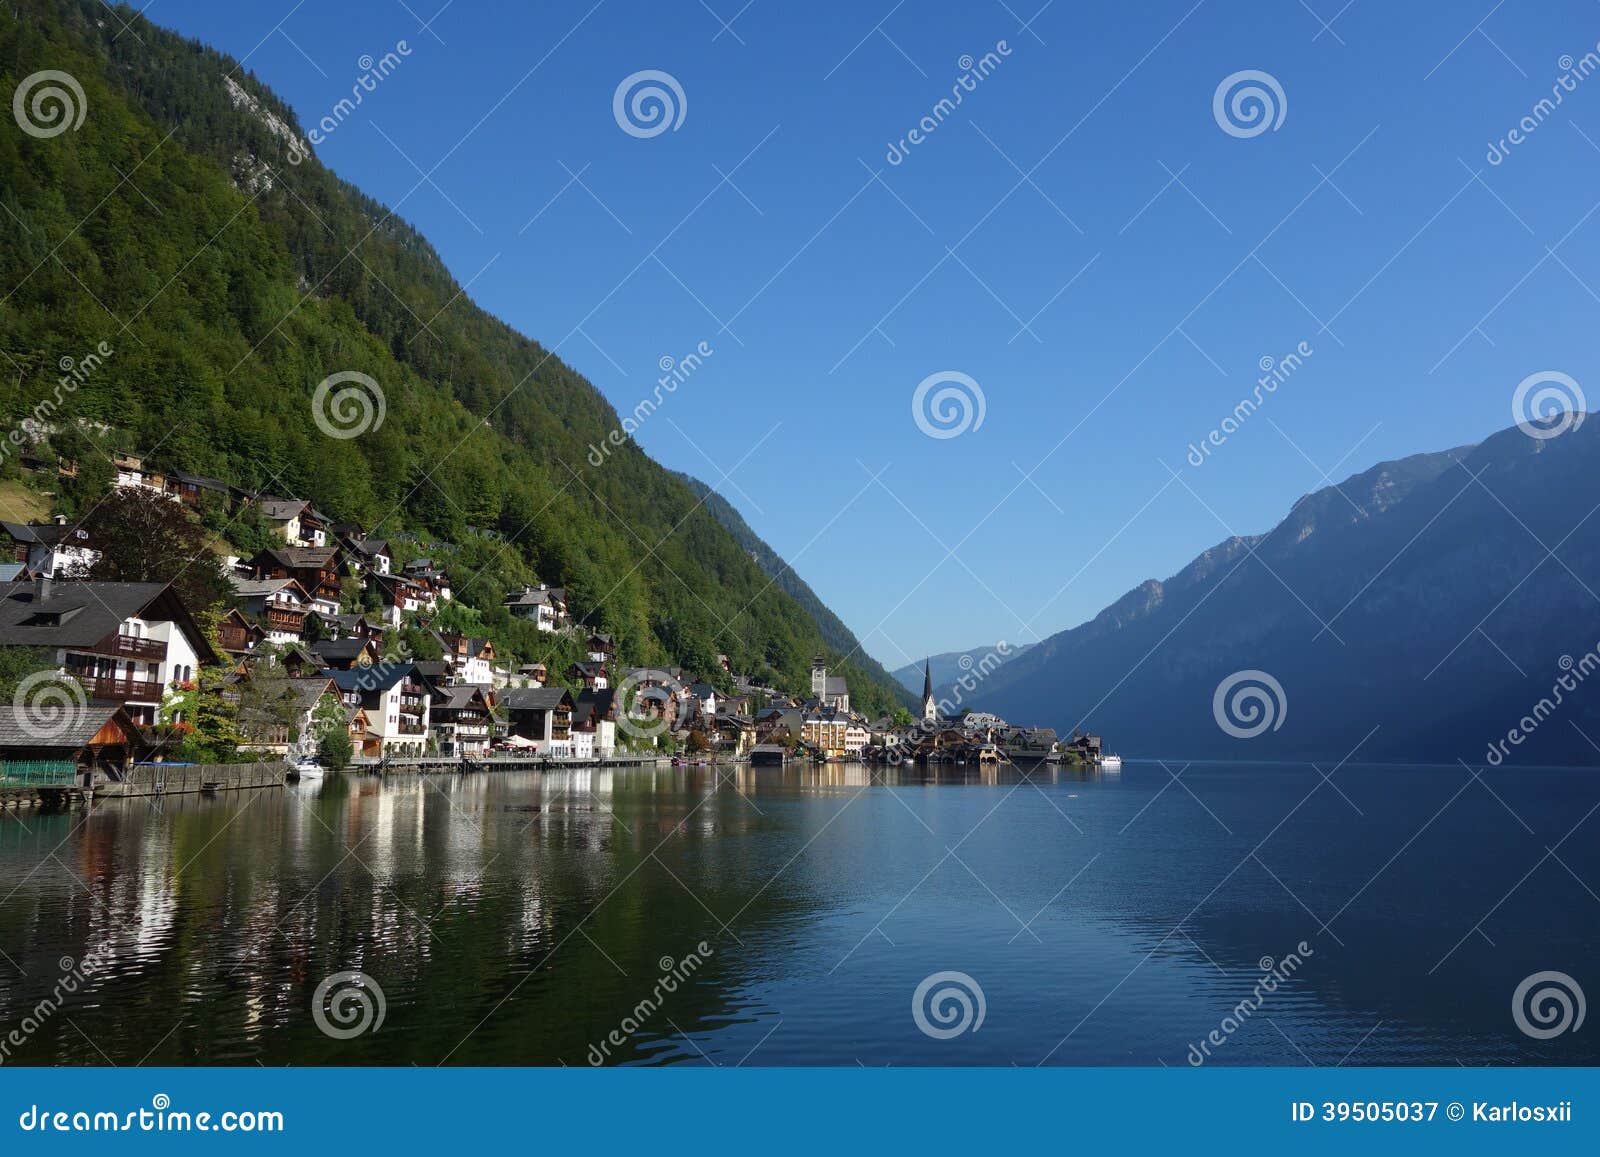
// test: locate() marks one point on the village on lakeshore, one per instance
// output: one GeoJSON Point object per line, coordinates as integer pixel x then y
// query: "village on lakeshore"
{"type": "Point", "coordinates": [310, 665]}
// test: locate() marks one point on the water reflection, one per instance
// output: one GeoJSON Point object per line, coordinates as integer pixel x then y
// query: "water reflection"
{"type": "Point", "coordinates": [520, 917]}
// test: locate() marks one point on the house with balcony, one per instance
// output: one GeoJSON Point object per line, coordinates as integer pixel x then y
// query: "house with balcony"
{"type": "Point", "coordinates": [280, 605]}
{"type": "Point", "coordinates": [295, 520]}
{"type": "Point", "coordinates": [51, 548]}
{"type": "Point", "coordinates": [345, 654]}
{"type": "Point", "coordinates": [124, 643]}
{"type": "Point", "coordinates": [133, 474]}
{"type": "Point", "coordinates": [471, 659]}
{"type": "Point", "coordinates": [592, 676]}
{"type": "Point", "coordinates": [194, 489]}
{"type": "Point", "coordinates": [735, 733]}
{"type": "Point", "coordinates": [318, 570]}
{"type": "Point", "coordinates": [283, 723]}
{"type": "Point", "coordinates": [462, 719]}
{"type": "Point", "coordinates": [594, 724]}
{"type": "Point", "coordinates": [538, 718]}
{"type": "Point", "coordinates": [395, 700]}
{"type": "Point", "coordinates": [363, 553]}
{"type": "Point", "coordinates": [359, 626]}
{"type": "Point", "coordinates": [827, 730]}
{"type": "Point", "coordinates": [238, 635]}
{"type": "Point", "coordinates": [401, 596]}
{"type": "Point", "coordinates": [602, 648]}
{"type": "Point", "coordinates": [543, 606]}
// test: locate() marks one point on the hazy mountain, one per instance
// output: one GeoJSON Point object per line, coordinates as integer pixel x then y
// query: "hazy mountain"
{"type": "Point", "coordinates": [1418, 610]}
{"type": "Point", "coordinates": [948, 666]}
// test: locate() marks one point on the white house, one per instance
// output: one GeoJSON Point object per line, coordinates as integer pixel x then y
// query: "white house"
{"type": "Point", "coordinates": [52, 548]}
{"type": "Point", "coordinates": [124, 643]}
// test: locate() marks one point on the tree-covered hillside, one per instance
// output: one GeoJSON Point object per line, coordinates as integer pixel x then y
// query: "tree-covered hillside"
{"type": "Point", "coordinates": [227, 283]}
{"type": "Point", "coordinates": [839, 638]}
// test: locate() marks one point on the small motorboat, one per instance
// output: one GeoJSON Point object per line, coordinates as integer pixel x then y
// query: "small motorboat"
{"type": "Point", "coordinates": [306, 769]}
{"type": "Point", "coordinates": [1111, 763]}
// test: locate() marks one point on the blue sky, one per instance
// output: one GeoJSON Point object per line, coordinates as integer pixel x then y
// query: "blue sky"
{"type": "Point", "coordinates": [1080, 237]}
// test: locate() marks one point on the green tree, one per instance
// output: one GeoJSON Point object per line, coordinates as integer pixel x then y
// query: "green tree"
{"type": "Point", "coordinates": [144, 537]}
{"type": "Point", "coordinates": [334, 749]}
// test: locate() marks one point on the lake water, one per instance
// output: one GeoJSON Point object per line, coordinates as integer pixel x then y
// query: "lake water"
{"type": "Point", "coordinates": [1106, 919]}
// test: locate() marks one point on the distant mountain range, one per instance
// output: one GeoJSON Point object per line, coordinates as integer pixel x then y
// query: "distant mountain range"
{"type": "Point", "coordinates": [950, 666]}
{"type": "Point", "coordinates": [1418, 611]}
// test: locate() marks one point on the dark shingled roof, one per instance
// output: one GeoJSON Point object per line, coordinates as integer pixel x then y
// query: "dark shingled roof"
{"type": "Point", "coordinates": [300, 557]}
{"type": "Point", "coordinates": [80, 614]}
{"type": "Point", "coordinates": [21, 728]}
{"type": "Point", "coordinates": [378, 677]}
{"type": "Point", "coordinates": [592, 705]}
{"type": "Point", "coordinates": [340, 650]}
{"type": "Point", "coordinates": [532, 698]}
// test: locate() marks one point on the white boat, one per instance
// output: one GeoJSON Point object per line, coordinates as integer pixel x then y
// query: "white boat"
{"type": "Point", "coordinates": [307, 768]}
{"type": "Point", "coordinates": [1111, 763]}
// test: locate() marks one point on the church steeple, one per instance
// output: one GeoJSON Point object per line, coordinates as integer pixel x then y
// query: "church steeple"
{"type": "Point", "coordinates": [929, 709]}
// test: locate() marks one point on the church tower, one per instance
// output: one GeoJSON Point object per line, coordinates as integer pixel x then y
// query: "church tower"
{"type": "Point", "coordinates": [819, 679]}
{"type": "Point", "coordinates": [930, 710]}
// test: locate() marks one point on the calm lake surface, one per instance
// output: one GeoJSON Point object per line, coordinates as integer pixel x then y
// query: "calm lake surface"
{"type": "Point", "coordinates": [1107, 919]}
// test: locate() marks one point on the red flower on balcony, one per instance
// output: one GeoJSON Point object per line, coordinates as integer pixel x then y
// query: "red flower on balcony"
{"type": "Point", "coordinates": [184, 684]}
